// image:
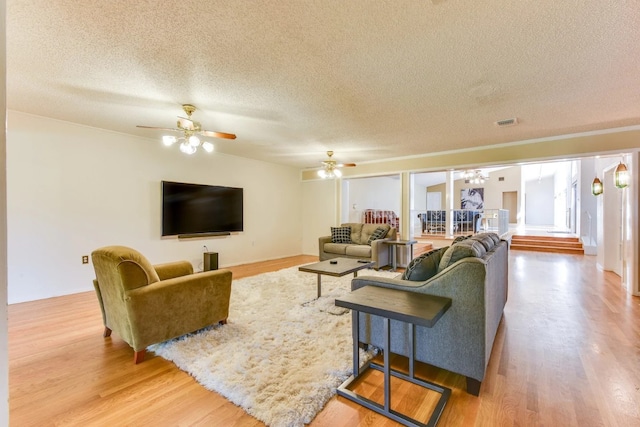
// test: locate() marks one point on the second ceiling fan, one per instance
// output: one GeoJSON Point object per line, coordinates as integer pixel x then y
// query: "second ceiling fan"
{"type": "Point", "coordinates": [331, 168]}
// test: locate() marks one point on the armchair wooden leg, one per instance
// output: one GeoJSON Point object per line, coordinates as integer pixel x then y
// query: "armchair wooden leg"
{"type": "Point", "coordinates": [223, 322]}
{"type": "Point", "coordinates": [473, 386]}
{"type": "Point", "coordinates": [138, 356]}
{"type": "Point", "coordinates": [107, 332]}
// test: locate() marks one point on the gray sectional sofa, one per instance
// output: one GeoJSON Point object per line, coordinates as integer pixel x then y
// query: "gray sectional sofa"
{"type": "Point", "coordinates": [474, 274]}
{"type": "Point", "coordinates": [358, 246]}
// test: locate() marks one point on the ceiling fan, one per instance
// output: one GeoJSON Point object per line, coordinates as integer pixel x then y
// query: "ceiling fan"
{"type": "Point", "coordinates": [190, 129]}
{"type": "Point", "coordinates": [331, 168]}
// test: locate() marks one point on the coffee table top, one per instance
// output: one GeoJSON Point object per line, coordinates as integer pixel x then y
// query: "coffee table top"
{"type": "Point", "coordinates": [343, 267]}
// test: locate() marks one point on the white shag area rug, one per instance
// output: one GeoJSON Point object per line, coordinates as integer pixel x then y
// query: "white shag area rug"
{"type": "Point", "coordinates": [282, 353]}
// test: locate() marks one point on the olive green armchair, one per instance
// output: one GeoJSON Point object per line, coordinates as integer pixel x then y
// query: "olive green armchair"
{"type": "Point", "coordinates": [147, 304]}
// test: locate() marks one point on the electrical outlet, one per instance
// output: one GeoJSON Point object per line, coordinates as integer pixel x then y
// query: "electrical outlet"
{"type": "Point", "coordinates": [85, 259]}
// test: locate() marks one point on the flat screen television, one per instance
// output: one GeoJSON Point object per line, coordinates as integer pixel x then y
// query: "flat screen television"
{"type": "Point", "coordinates": [192, 209]}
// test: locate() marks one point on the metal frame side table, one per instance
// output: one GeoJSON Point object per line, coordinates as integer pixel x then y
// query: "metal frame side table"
{"type": "Point", "coordinates": [412, 308]}
{"type": "Point", "coordinates": [394, 244]}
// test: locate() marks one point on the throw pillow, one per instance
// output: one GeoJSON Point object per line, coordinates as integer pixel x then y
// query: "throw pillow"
{"type": "Point", "coordinates": [461, 238]}
{"type": "Point", "coordinates": [340, 234]}
{"type": "Point", "coordinates": [485, 239]}
{"type": "Point", "coordinates": [424, 267]}
{"type": "Point", "coordinates": [464, 249]}
{"type": "Point", "coordinates": [378, 233]}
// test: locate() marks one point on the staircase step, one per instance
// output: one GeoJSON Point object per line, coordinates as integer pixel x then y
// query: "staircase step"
{"type": "Point", "coordinates": [545, 238]}
{"type": "Point", "coordinates": [568, 245]}
{"type": "Point", "coordinates": [575, 245]}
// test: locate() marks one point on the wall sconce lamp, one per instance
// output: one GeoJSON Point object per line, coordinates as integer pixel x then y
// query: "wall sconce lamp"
{"type": "Point", "coordinates": [596, 187]}
{"type": "Point", "coordinates": [621, 176]}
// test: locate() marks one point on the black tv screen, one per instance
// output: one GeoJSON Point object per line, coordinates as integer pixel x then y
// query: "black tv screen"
{"type": "Point", "coordinates": [196, 209]}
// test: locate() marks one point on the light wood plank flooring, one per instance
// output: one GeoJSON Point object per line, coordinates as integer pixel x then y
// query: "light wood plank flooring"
{"type": "Point", "coordinates": [567, 354]}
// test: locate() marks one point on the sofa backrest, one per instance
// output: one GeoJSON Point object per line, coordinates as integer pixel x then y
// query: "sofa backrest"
{"type": "Point", "coordinates": [360, 232]}
{"type": "Point", "coordinates": [476, 245]}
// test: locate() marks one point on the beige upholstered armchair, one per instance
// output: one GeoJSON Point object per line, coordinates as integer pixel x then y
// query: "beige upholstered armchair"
{"type": "Point", "coordinates": [146, 304]}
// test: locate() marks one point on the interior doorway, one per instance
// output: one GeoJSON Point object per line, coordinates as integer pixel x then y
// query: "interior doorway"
{"type": "Point", "coordinates": [510, 202]}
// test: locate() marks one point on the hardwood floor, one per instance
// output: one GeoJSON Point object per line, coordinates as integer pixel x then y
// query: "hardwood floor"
{"type": "Point", "coordinates": [567, 354]}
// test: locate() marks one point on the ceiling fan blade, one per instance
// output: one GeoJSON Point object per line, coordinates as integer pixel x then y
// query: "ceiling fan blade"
{"type": "Point", "coordinates": [158, 128]}
{"type": "Point", "coordinates": [218, 134]}
{"type": "Point", "coordinates": [345, 165]}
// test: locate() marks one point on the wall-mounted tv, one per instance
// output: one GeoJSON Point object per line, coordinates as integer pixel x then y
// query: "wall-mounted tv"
{"type": "Point", "coordinates": [192, 209]}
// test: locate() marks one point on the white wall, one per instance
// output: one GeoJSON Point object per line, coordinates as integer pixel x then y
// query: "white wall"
{"type": "Point", "coordinates": [380, 192]}
{"type": "Point", "coordinates": [72, 189]}
{"type": "Point", "coordinates": [588, 205]}
{"type": "Point", "coordinates": [539, 201]}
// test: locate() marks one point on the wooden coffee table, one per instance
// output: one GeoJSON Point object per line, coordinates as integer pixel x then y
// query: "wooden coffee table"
{"type": "Point", "coordinates": [342, 267]}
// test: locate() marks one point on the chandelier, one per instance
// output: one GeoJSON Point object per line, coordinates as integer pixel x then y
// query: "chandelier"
{"type": "Point", "coordinates": [474, 176]}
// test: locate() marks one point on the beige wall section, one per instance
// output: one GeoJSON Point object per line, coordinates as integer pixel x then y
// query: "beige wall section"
{"type": "Point", "coordinates": [72, 189]}
{"type": "Point", "coordinates": [319, 207]}
{"type": "Point", "coordinates": [504, 154]}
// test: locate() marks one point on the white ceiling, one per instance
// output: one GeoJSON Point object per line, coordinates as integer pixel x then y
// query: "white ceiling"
{"type": "Point", "coordinates": [295, 78]}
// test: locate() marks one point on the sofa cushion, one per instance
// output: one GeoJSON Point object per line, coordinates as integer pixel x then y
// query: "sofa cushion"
{"type": "Point", "coordinates": [494, 236]}
{"type": "Point", "coordinates": [356, 231]}
{"type": "Point", "coordinates": [360, 251]}
{"type": "Point", "coordinates": [466, 248]}
{"type": "Point", "coordinates": [379, 233]}
{"type": "Point", "coordinates": [425, 266]}
{"type": "Point", "coordinates": [486, 240]}
{"type": "Point", "coordinates": [461, 238]}
{"type": "Point", "coordinates": [340, 234]}
{"type": "Point", "coordinates": [369, 229]}
{"type": "Point", "coordinates": [336, 248]}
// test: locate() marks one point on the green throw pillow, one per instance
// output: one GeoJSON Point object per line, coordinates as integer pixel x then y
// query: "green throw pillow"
{"type": "Point", "coordinates": [461, 238]}
{"type": "Point", "coordinates": [378, 233]}
{"type": "Point", "coordinates": [424, 267]}
{"type": "Point", "coordinates": [466, 248]}
{"type": "Point", "coordinates": [340, 234]}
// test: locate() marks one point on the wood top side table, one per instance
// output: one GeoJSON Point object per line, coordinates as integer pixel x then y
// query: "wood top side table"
{"type": "Point", "coordinates": [394, 244]}
{"type": "Point", "coordinates": [409, 307]}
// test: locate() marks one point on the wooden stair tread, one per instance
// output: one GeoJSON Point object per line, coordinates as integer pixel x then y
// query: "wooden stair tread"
{"type": "Point", "coordinates": [545, 238]}
{"type": "Point", "coordinates": [569, 245]}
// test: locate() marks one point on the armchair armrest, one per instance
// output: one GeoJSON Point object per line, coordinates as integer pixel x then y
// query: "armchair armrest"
{"type": "Point", "coordinates": [182, 304]}
{"type": "Point", "coordinates": [173, 269]}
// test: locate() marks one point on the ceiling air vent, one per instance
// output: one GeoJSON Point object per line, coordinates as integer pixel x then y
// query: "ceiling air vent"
{"type": "Point", "coordinates": [507, 122]}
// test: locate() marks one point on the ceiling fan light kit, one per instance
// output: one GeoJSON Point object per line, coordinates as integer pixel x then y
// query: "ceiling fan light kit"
{"type": "Point", "coordinates": [331, 168]}
{"type": "Point", "coordinates": [190, 129]}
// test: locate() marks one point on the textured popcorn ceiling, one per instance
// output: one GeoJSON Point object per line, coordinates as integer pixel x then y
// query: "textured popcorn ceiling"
{"type": "Point", "coordinates": [294, 78]}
